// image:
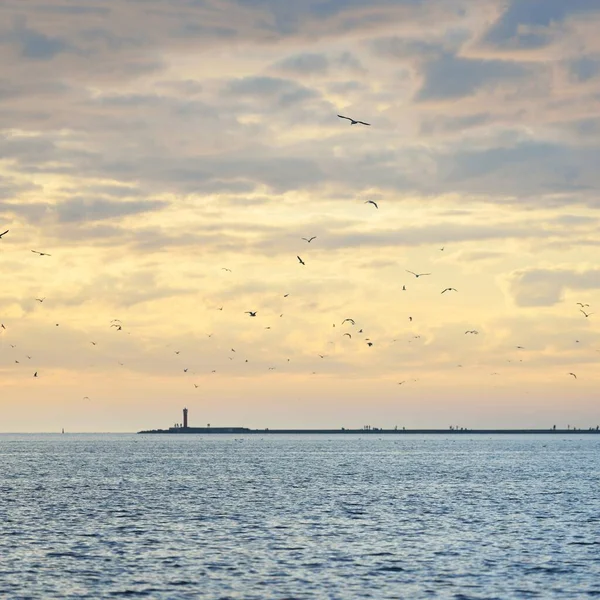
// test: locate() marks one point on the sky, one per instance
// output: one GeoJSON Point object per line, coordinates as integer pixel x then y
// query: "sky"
{"type": "Point", "coordinates": [148, 146]}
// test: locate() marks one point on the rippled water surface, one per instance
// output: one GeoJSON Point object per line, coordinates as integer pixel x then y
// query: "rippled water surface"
{"type": "Point", "coordinates": [193, 516]}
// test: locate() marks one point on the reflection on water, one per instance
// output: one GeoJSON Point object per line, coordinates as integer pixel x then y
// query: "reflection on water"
{"type": "Point", "coordinates": [104, 516]}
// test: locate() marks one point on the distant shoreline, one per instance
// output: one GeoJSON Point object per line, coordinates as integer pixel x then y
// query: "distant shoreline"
{"type": "Point", "coordinates": [245, 430]}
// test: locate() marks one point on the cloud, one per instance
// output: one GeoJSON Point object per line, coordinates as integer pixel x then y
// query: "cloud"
{"type": "Point", "coordinates": [80, 209]}
{"type": "Point", "coordinates": [451, 76]}
{"type": "Point", "coordinates": [529, 24]}
{"type": "Point", "coordinates": [544, 287]}
{"type": "Point", "coordinates": [304, 64]}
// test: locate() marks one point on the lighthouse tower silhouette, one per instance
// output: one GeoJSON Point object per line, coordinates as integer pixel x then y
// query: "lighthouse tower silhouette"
{"type": "Point", "coordinates": [185, 424]}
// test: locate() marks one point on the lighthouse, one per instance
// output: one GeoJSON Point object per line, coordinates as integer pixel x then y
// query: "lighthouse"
{"type": "Point", "coordinates": [185, 418]}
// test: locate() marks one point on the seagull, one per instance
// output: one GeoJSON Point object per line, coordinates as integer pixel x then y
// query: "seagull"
{"type": "Point", "coordinates": [40, 300]}
{"type": "Point", "coordinates": [301, 261]}
{"type": "Point", "coordinates": [573, 375]}
{"type": "Point", "coordinates": [473, 331]}
{"type": "Point", "coordinates": [322, 355]}
{"type": "Point", "coordinates": [401, 382]}
{"type": "Point", "coordinates": [177, 351]}
{"type": "Point", "coordinates": [351, 321]}
{"type": "Point", "coordinates": [41, 253]}
{"type": "Point", "coordinates": [86, 398]}
{"type": "Point", "coordinates": [309, 240]}
{"type": "Point", "coordinates": [582, 305]}
{"type": "Point", "coordinates": [371, 202]}
{"type": "Point", "coordinates": [195, 385]}
{"type": "Point", "coordinates": [410, 319]}
{"type": "Point", "coordinates": [369, 344]}
{"type": "Point", "coordinates": [35, 374]}
{"type": "Point", "coordinates": [403, 288]}
{"type": "Point", "coordinates": [585, 314]}
{"type": "Point", "coordinates": [93, 343]}
{"type": "Point", "coordinates": [251, 313]}
{"type": "Point", "coordinates": [225, 269]}
{"type": "Point", "coordinates": [285, 295]}
{"type": "Point", "coordinates": [353, 121]}
{"type": "Point", "coordinates": [348, 335]}
{"type": "Point", "coordinates": [417, 275]}
{"type": "Point", "coordinates": [119, 327]}
{"type": "Point", "coordinates": [442, 249]}
{"type": "Point", "coordinates": [2, 325]}
{"type": "Point", "coordinates": [450, 290]}
{"type": "Point", "coordinates": [185, 370]}
{"type": "Point", "coordinates": [3, 234]}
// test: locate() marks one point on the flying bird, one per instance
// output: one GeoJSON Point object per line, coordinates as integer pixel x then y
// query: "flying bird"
{"type": "Point", "coordinates": [417, 275]}
{"type": "Point", "coordinates": [369, 344]}
{"type": "Point", "coordinates": [177, 351]}
{"type": "Point", "coordinates": [225, 269]}
{"type": "Point", "coordinates": [40, 300]}
{"type": "Point", "coordinates": [520, 348]}
{"type": "Point", "coordinates": [93, 343]}
{"type": "Point", "coordinates": [371, 202]}
{"type": "Point", "coordinates": [185, 370]}
{"type": "Point", "coordinates": [473, 331]}
{"type": "Point", "coordinates": [401, 382]}
{"type": "Point", "coordinates": [86, 398]}
{"type": "Point", "coordinates": [403, 288]}
{"type": "Point", "coordinates": [2, 325]}
{"type": "Point", "coordinates": [41, 253]}
{"type": "Point", "coordinates": [351, 321]}
{"type": "Point", "coordinates": [348, 335]}
{"type": "Point", "coordinates": [573, 375]}
{"type": "Point", "coordinates": [586, 315]}
{"type": "Point", "coordinates": [353, 121]}
{"type": "Point", "coordinates": [582, 305]}
{"type": "Point", "coordinates": [450, 290]}
{"type": "Point", "coordinates": [3, 234]}
{"type": "Point", "coordinates": [301, 261]}
{"type": "Point", "coordinates": [309, 240]}
{"type": "Point", "coordinates": [35, 374]}
{"type": "Point", "coordinates": [251, 313]}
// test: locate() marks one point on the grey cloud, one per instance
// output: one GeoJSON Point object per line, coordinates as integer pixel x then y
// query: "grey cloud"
{"type": "Point", "coordinates": [544, 287]}
{"type": "Point", "coordinates": [585, 68]}
{"type": "Point", "coordinates": [96, 209]}
{"type": "Point", "coordinates": [36, 45]}
{"type": "Point", "coordinates": [526, 24]}
{"type": "Point", "coordinates": [304, 64]}
{"type": "Point", "coordinates": [451, 76]}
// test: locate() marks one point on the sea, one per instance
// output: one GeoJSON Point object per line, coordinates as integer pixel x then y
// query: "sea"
{"type": "Point", "coordinates": [292, 517]}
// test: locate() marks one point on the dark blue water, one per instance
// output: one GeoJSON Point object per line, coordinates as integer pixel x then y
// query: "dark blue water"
{"type": "Point", "coordinates": [108, 516]}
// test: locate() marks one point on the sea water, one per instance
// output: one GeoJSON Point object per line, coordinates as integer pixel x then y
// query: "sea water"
{"type": "Point", "coordinates": [356, 516]}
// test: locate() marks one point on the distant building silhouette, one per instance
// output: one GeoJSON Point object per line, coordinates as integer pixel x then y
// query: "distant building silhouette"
{"type": "Point", "coordinates": [185, 421]}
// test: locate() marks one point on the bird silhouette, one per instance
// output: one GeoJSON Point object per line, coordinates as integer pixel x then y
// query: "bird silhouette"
{"type": "Point", "coordinates": [473, 331]}
{"type": "Point", "coordinates": [309, 240]}
{"type": "Point", "coordinates": [353, 121]}
{"type": "Point", "coordinates": [348, 335]}
{"type": "Point", "coordinates": [3, 234]}
{"type": "Point", "coordinates": [371, 202]}
{"type": "Point", "coordinates": [301, 261]}
{"type": "Point", "coordinates": [573, 375]}
{"type": "Point", "coordinates": [35, 374]}
{"type": "Point", "coordinates": [40, 300]}
{"type": "Point", "coordinates": [582, 305]}
{"type": "Point", "coordinates": [417, 275]}
{"type": "Point", "coordinates": [350, 320]}
{"type": "Point", "coordinates": [41, 253]}
{"type": "Point", "coordinates": [449, 290]}
{"type": "Point", "coordinates": [586, 315]}
{"type": "Point", "coordinates": [252, 313]}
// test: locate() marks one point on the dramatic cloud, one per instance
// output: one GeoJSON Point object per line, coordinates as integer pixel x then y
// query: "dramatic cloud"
{"type": "Point", "coordinates": [171, 156]}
